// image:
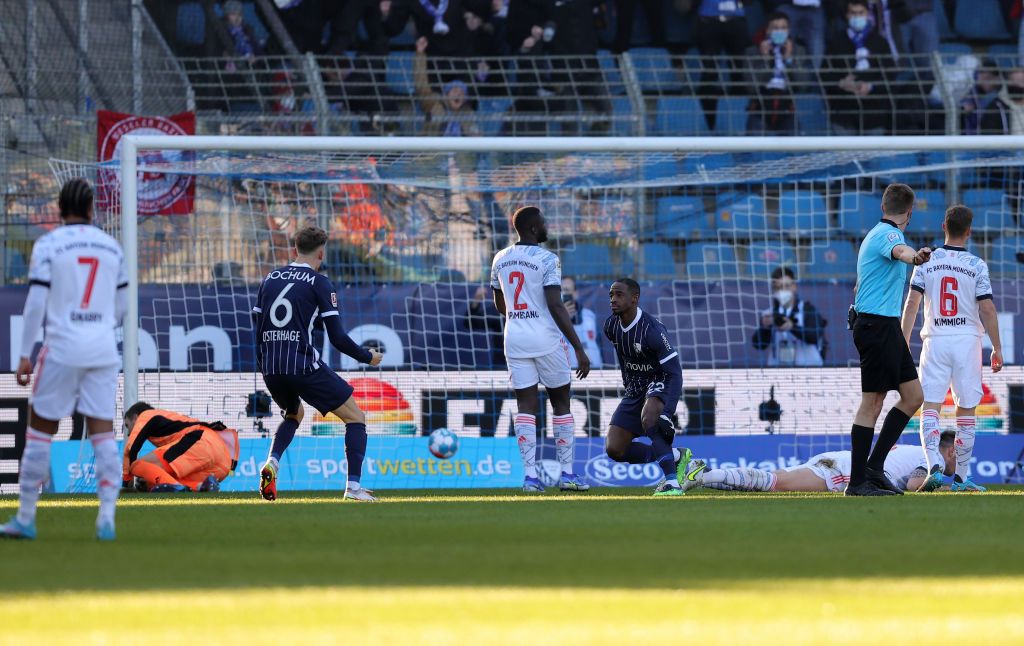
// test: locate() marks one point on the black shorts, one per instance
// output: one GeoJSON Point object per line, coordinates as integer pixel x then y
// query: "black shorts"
{"type": "Point", "coordinates": [324, 390]}
{"type": "Point", "coordinates": [885, 360]}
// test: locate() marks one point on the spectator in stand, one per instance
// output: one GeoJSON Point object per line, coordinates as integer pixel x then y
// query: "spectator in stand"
{"type": "Point", "coordinates": [880, 15]}
{"type": "Point", "coordinates": [584, 321]}
{"type": "Point", "coordinates": [792, 330]}
{"type": "Point", "coordinates": [970, 82]}
{"type": "Point", "coordinates": [1005, 115]}
{"type": "Point", "coordinates": [487, 44]}
{"type": "Point", "coordinates": [654, 11]}
{"type": "Point", "coordinates": [918, 29]}
{"type": "Point", "coordinates": [305, 21]}
{"type": "Point", "coordinates": [807, 27]}
{"type": "Point", "coordinates": [448, 114]}
{"type": "Point", "coordinates": [776, 69]}
{"type": "Point", "coordinates": [856, 76]}
{"type": "Point", "coordinates": [482, 317]}
{"type": "Point", "coordinates": [243, 43]}
{"type": "Point", "coordinates": [721, 27]}
{"type": "Point", "coordinates": [442, 21]}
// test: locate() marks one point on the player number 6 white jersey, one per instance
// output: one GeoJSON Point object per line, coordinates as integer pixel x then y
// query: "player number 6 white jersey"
{"type": "Point", "coordinates": [522, 272]}
{"type": "Point", "coordinates": [953, 282]}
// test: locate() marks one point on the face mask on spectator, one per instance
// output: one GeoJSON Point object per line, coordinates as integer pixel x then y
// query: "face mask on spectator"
{"type": "Point", "coordinates": [778, 37]}
{"type": "Point", "coordinates": [784, 297]}
{"type": "Point", "coordinates": [859, 23]}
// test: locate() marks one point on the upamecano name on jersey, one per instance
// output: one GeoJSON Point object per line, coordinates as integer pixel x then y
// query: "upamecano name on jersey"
{"type": "Point", "coordinates": [524, 314]}
{"type": "Point", "coordinates": [960, 270]}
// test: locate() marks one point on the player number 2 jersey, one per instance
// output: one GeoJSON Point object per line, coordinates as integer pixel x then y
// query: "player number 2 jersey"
{"type": "Point", "coordinates": [522, 272]}
{"type": "Point", "coordinates": [953, 282]}
{"type": "Point", "coordinates": [83, 268]}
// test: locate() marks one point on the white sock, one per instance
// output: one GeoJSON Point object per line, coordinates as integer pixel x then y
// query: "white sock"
{"type": "Point", "coordinates": [108, 471]}
{"type": "Point", "coordinates": [677, 455]}
{"type": "Point", "coordinates": [353, 486]}
{"type": "Point", "coordinates": [930, 434]}
{"type": "Point", "coordinates": [272, 461]}
{"type": "Point", "coordinates": [35, 468]}
{"type": "Point", "coordinates": [526, 433]}
{"type": "Point", "coordinates": [964, 445]}
{"type": "Point", "coordinates": [740, 479]}
{"type": "Point", "coordinates": [565, 441]}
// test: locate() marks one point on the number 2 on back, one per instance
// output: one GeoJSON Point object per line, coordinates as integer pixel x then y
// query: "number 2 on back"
{"type": "Point", "coordinates": [512, 278]}
{"type": "Point", "coordinates": [94, 264]}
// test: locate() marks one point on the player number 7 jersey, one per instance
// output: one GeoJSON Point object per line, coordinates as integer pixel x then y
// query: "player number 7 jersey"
{"type": "Point", "coordinates": [522, 272]}
{"type": "Point", "coordinates": [953, 282]}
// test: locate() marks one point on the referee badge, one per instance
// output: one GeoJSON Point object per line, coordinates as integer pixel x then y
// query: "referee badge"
{"type": "Point", "coordinates": [893, 237]}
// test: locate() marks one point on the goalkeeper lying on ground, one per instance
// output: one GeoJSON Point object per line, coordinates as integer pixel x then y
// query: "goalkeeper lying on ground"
{"type": "Point", "coordinates": [906, 466]}
{"type": "Point", "coordinates": [190, 455]}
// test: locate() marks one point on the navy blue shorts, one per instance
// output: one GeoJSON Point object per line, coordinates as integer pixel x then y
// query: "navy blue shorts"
{"type": "Point", "coordinates": [627, 414]}
{"type": "Point", "coordinates": [324, 390]}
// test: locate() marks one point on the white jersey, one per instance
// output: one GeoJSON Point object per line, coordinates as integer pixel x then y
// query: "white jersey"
{"type": "Point", "coordinates": [83, 268]}
{"type": "Point", "coordinates": [587, 332]}
{"type": "Point", "coordinates": [834, 467]}
{"type": "Point", "coordinates": [521, 272]}
{"type": "Point", "coordinates": [953, 282]}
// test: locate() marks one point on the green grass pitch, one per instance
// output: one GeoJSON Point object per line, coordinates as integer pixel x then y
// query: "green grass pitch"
{"type": "Point", "coordinates": [610, 566]}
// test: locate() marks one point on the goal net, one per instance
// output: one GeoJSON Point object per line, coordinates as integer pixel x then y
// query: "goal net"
{"type": "Point", "coordinates": [703, 225]}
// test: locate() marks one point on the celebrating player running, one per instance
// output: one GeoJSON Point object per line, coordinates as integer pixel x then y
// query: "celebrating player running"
{"type": "Point", "coordinates": [958, 309]}
{"type": "Point", "coordinates": [653, 380]}
{"type": "Point", "coordinates": [292, 302]}
{"type": "Point", "coordinates": [527, 284]}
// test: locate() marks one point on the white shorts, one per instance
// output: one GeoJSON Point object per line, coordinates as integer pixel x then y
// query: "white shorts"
{"type": "Point", "coordinates": [832, 467]}
{"type": "Point", "coordinates": [552, 370]}
{"type": "Point", "coordinates": [955, 360]}
{"type": "Point", "coordinates": [59, 390]}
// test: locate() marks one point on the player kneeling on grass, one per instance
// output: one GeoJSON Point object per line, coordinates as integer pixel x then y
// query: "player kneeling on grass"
{"type": "Point", "coordinates": [641, 429]}
{"type": "Point", "coordinates": [190, 455]}
{"type": "Point", "coordinates": [906, 466]}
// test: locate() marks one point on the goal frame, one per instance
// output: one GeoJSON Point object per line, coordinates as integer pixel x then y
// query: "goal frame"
{"type": "Point", "coordinates": [132, 145]}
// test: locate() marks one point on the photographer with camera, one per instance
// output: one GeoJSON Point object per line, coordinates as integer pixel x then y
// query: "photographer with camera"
{"type": "Point", "coordinates": [584, 321]}
{"type": "Point", "coordinates": [792, 331]}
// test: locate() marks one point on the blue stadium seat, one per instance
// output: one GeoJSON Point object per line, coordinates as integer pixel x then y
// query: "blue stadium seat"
{"type": "Point", "coordinates": [732, 116]}
{"type": "Point", "coordinates": [680, 116]}
{"type": "Point", "coordinates": [657, 262]}
{"type": "Point", "coordinates": [896, 162]}
{"type": "Point", "coordinates": [1002, 256]}
{"type": "Point", "coordinates": [252, 18]}
{"type": "Point", "coordinates": [679, 217]}
{"type": "Point", "coordinates": [991, 211]}
{"type": "Point", "coordinates": [859, 212]}
{"type": "Point", "coordinates": [945, 31]}
{"type": "Point", "coordinates": [740, 214]}
{"type": "Point", "coordinates": [935, 157]}
{"type": "Point", "coordinates": [624, 119]}
{"type": "Point", "coordinates": [1005, 55]}
{"type": "Point", "coordinates": [950, 51]}
{"type": "Point", "coordinates": [610, 70]}
{"type": "Point", "coordinates": [711, 260]}
{"type": "Point", "coordinates": [929, 210]}
{"type": "Point", "coordinates": [654, 70]}
{"type": "Point", "coordinates": [811, 114]}
{"type": "Point", "coordinates": [399, 73]}
{"type": "Point", "coordinates": [835, 259]}
{"type": "Point", "coordinates": [190, 24]}
{"type": "Point", "coordinates": [803, 213]}
{"type": "Point", "coordinates": [491, 115]}
{"type": "Point", "coordinates": [586, 259]}
{"type": "Point", "coordinates": [980, 20]}
{"type": "Point", "coordinates": [764, 257]}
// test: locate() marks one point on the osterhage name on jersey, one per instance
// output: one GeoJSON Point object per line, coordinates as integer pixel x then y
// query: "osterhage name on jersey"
{"type": "Point", "coordinates": [646, 358]}
{"type": "Point", "coordinates": [292, 302]}
{"type": "Point", "coordinates": [952, 283]}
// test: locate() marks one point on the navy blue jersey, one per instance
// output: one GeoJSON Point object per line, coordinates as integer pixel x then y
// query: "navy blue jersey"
{"type": "Point", "coordinates": [649, 364]}
{"type": "Point", "coordinates": [292, 302]}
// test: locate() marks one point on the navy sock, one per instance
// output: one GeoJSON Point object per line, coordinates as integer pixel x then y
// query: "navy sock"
{"type": "Point", "coordinates": [283, 437]}
{"type": "Point", "coordinates": [355, 449]}
{"type": "Point", "coordinates": [662, 450]}
{"type": "Point", "coordinates": [892, 429]}
{"type": "Point", "coordinates": [860, 447]}
{"type": "Point", "coordinates": [639, 453]}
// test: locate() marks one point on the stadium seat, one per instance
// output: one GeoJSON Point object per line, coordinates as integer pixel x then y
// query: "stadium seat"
{"type": "Point", "coordinates": [657, 262]}
{"type": "Point", "coordinates": [945, 31]}
{"type": "Point", "coordinates": [1005, 55]}
{"type": "Point", "coordinates": [951, 51]}
{"type": "Point", "coordinates": [732, 116]}
{"type": "Point", "coordinates": [895, 164]}
{"type": "Point", "coordinates": [811, 114]}
{"type": "Point", "coordinates": [624, 118]}
{"type": "Point", "coordinates": [929, 210]}
{"type": "Point", "coordinates": [610, 70]}
{"type": "Point", "coordinates": [679, 217]}
{"type": "Point", "coordinates": [680, 116]}
{"type": "Point", "coordinates": [803, 213]}
{"type": "Point", "coordinates": [711, 260]}
{"type": "Point", "coordinates": [740, 214]}
{"type": "Point", "coordinates": [934, 158]}
{"type": "Point", "coordinates": [980, 20]}
{"type": "Point", "coordinates": [836, 259]}
{"type": "Point", "coordinates": [991, 210]}
{"type": "Point", "coordinates": [764, 257]}
{"type": "Point", "coordinates": [859, 212]}
{"type": "Point", "coordinates": [654, 71]}
{"type": "Point", "coordinates": [1002, 256]}
{"type": "Point", "coordinates": [399, 73]}
{"type": "Point", "coordinates": [586, 259]}
{"type": "Point", "coordinates": [491, 115]}
{"type": "Point", "coordinates": [190, 24]}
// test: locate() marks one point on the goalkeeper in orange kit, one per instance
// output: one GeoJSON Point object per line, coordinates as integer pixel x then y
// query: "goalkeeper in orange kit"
{"type": "Point", "coordinates": [190, 455]}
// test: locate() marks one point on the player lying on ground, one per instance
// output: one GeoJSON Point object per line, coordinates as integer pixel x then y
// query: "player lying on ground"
{"type": "Point", "coordinates": [527, 285]}
{"type": "Point", "coordinates": [190, 455]}
{"type": "Point", "coordinates": [292, 302]}
{"type": "Point", "coordinates": [641, 429]}
{"type": "Point", "coordinates": [906, 467]}
{"type": "Point", "coordinates": [958, 310]}
{"type": "Point", "coordinates": [77, 277]}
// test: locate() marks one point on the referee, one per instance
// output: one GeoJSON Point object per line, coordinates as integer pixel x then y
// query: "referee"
{"type": "Point", "coordinates": [885, 361]}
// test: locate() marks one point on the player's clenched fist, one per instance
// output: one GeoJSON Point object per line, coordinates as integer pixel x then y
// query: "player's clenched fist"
{"type": "Point", "coordinates": [924, 254]}
{"type": "Point", "coordinates": [375, 357]}
{"type": "Point", "coordinates": [24, 373]}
